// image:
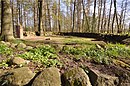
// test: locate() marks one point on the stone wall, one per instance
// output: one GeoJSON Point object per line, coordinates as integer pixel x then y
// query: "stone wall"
{"type": "Point", "coordinates": [52, 77]}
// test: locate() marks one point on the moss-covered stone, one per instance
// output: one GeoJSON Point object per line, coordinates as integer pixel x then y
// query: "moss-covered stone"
{"type": "Point", "coordinates": [16, 77]}
{"type": "Point", "coordinates": [48, 77]}
{"type": "Point", "coordinates": [75, 77]}
{"type": "Point", "coordinates": [21, 46]}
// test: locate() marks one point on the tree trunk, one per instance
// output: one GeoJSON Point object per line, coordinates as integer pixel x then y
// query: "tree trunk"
{"type": "Point", "coordinates": [103, 16]}
{"type": "Point", "coordinates": [40, 29]}
{"type": "Point", "coordinates": [49, 16]}
{"type": "Point", "coordinates": [73, 17]}
{"type": "Point", "coordinates": [35, 17]}
{"type": "Point", "coordinates": [78, 15]}
{"type": "Point", "coordinates": [124, 15]}
{"type": "Point", "coordinates": [12, 8]}
{"type": "Point", "coordinates": [94, 19]}
{"type": "Point", "coordinates": [108, 25]}
{"type": "Point", "coordinates": [115, 12]}
{"type": "Point", "coordinates": [99, 14]}
{"type": "Point", "coordinates": [121, 17]}
{"type": "Point", "coordinates": [59, 26]}
{"type": "Point", "coordinates": [86, 18]}
{"type": "Point", "coordinates": [6, 21]}
{"type": "Point", "coordinates": [25, 20]}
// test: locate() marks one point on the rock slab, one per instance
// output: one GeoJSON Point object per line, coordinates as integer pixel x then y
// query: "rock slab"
{"type": "Point", "coordinates": [99, 79]}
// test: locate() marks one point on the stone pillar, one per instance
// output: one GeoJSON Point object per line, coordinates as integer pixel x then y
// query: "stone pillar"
{"type": "Point", "coordinates": [19, 31]}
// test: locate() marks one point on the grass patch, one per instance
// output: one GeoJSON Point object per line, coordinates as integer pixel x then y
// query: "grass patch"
{"type": "Point", "coordinates": [77, 40]}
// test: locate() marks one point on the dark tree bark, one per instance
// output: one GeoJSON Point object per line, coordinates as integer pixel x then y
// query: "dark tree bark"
{"type": "Point", "coordinates": [40, 29]}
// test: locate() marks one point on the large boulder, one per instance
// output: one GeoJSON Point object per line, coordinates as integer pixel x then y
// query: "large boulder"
{"type": "Point", "coordinates": [17, 77]}
{"type": "Point", "coordinates": [99, 79]}
{"type": "Point", "coordinates": [75, 77]}
{"type": "Point", "coordinates": [48, 77]}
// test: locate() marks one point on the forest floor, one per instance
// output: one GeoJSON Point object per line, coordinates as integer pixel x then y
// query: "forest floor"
{"type": "Point", "coordinates": [69, 60]}
{"type": "Point", "coordinates": [66, 52]}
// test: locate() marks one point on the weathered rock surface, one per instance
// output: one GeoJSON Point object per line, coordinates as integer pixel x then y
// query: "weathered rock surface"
{"type": "Point", "coordinates": [21, 46]}
{"type": "Point", "coordinates": [124, 76]}
{"type": "Point", "coordinates": [7, 43]}
{"type": "Point", "coordinates": [126, 41]}
{"type": "Point", "coordinates": [16, 77]}
{"type": "Point", "coordinates": [13, 45]}
{"type": "Point", "coordinates": [29, 47]}
{"type": "Point", "coordinates": [3, 42]}
{"type": "Point", "coordinates": [48, 77]}
{"type": "Point", "coordinates": [17, 61]}
{"type": "Point", "coordinates": [75, 77]}
{"type": "Point", "coordinates": [98, 79]}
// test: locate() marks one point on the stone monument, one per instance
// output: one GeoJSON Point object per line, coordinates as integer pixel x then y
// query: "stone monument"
{"type": "Point", "coordinates": [19, 31]}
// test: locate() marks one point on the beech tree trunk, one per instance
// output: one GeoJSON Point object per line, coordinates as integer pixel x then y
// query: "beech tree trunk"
{"type": "Point", "coordinates": [40, 29]}
{"type": "Point", "coordinates": [6, 21]}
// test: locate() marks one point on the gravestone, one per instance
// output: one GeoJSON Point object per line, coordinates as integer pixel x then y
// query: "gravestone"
{"type": "Point", "coordinates": [19, 31]}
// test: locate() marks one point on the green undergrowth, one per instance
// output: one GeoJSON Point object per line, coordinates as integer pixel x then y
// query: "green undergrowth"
{"type": "Point", "coordinates": [5, 50]}
{"type": "Point", "coordinates": [48, 55]}
{"type": "Point", "coordinates": [43, 54]}
{"type": "Point", "coordinates": [99, 55]}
